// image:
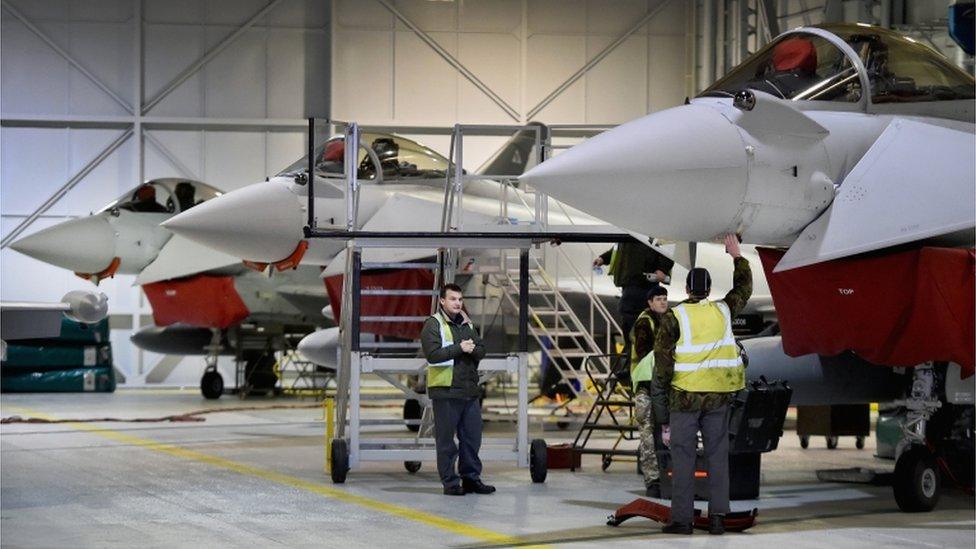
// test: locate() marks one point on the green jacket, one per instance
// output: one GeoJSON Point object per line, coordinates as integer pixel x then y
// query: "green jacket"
{"type": "Point", "coordinates": [464, 382]}
{"type": "Point", "coordinates": [634, 260]}
{"type": "Point", "coordinates": [664, 397]}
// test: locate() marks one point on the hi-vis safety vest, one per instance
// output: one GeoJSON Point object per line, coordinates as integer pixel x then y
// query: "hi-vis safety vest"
{"type": "Point", "coordinates": [441, 374]}
{"type": "Point", "coordinates": [641, 369]}
{"type": "Point", "coordinates": [706, 358]}
{"type": "Point", "coordinates": [614, 261]}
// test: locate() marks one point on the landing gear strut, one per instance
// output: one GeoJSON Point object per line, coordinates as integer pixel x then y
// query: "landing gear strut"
{"type": "Point", "coordinates": [917, 476]}
{"type": "Point", "coordinates": [212, 383]}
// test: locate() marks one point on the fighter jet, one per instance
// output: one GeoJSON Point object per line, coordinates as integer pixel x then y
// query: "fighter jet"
{"type": "Point", "coordinates": [402, 189]}
{"type": "Point", "coordinates": [852, 147]}
{"type": "Point", "coordinates": [204, 302]}
{"type": "Point", "coordinates": [810, 143]}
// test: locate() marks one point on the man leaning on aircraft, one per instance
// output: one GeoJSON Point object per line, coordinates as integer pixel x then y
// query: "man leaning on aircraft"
{"type": "Point", "coordinates": [697, 371]}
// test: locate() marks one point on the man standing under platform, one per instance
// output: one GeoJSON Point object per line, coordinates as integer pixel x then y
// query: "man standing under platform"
{"type": "Point", "coordinates": [453, 350]}
{"type": "Point", "coordinates": [641, 374]}
{"type": "Point", "coordinates": [635, 267]}
{"type": "Point", "coordinates": [697, 371]}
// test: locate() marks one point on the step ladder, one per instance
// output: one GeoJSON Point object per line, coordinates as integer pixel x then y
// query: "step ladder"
{"type": "Point", "coordinates": [612, 411]}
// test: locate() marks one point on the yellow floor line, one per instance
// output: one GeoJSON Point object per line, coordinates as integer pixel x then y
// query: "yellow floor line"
{"type": "Point", "coordinates": [422, 517]}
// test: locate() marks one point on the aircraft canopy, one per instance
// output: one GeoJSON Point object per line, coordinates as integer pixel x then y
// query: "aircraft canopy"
{"type": "Point", "coordinates": [802, 65]}
{"type": "Point", "coordinates": [399, 158]}
{"type": "Point", "coordinates": [169, 195]}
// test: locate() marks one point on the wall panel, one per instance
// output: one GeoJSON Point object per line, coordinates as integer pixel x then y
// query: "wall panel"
{"type": "Point", "coordinates": [522, 50]}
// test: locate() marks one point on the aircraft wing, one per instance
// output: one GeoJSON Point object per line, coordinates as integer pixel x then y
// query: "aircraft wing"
{"type": "Point", "coordinates": [183, 257]}
{"type": "Point", "coordinates": [914, 183]}
{"type": "Point", "coordinates": [408, 212]}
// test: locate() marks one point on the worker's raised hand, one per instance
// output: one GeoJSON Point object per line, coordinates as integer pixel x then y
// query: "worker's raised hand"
{"type": "Point", "coordinates": [666, 435]}
{"type": "Point", "coordinates": [598, 261]}
{"type": "Point", "coordinates": [732, 245]}
{"type": "Point", "coordinates": [467, 346]}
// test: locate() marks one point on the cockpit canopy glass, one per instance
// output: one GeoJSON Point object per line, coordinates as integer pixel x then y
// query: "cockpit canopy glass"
{"type": "Point", "coordinates": [399, 159]}
{"type": "Point", "coordinates": [797, 67]}
{"type": "Point", "coordinates": [164, 196]}
{"type": "Point", "coordinates": [804, 66]}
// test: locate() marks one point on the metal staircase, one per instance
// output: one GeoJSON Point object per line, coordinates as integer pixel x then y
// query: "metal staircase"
{"type": "Point", "coordinates": [566, 339]}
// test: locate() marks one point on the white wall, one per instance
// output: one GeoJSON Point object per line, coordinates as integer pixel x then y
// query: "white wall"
{"type": "Point", "coordinates": [521, 49]}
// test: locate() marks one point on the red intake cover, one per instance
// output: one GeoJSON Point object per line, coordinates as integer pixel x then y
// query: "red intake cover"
{"type": "Point", "coordinates": [897, 309]}
{"type": "Point", "coordinates": [201, 300]}
{"type": "Point", "coordinates": [383, 305]}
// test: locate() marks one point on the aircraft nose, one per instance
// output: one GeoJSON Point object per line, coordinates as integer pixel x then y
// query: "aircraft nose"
{"type": "Point", "coordinates": [680, 173]}
{"type": "Point", "coordinates": [85, 245]}
{"type": "Point", "coordinates": [261, 222]}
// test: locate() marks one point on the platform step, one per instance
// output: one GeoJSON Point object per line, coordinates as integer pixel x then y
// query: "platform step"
{"type": "Point", "coordinates": [398, 292]}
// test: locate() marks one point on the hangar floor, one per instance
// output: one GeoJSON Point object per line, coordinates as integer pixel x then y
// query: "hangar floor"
{"type": "Point", "coordinates": [255, 478]}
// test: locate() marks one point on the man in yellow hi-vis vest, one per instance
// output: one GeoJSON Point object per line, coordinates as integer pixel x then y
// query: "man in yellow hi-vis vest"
{"type": "Point", "coordinates": [697, 371]}
{"type": "Point", "coordinates": [453, 350]}
{"type": "Point", "coordinates": [641, 374]}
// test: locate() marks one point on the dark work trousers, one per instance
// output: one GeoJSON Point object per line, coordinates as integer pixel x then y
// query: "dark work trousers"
{"type": "Point", "coordinates": [633, 300]}
{"type": "Point", "coordinates": [461, 416]}
{"type": "Point", "coordinates": [714, 426]}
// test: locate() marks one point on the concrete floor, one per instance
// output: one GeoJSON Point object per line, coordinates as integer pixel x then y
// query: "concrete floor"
{"type": "Point", "coordinates": [255, 478]}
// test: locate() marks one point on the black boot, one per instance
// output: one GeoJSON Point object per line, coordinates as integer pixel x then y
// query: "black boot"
{"type": "Point", "coordinates": [455, 490]}
{"type": "Point", "coordinates": [476, 486]}
{"type": "Point", "coordinates": [677, 528]}
{"type": "Point", "coordinates": [716, 524]}
{"type": "Point", "coordinates": [653, 490]}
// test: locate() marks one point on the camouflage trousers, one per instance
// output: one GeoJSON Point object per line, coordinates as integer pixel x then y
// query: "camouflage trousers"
{"type": "Point", "coordinates": [643, 414]}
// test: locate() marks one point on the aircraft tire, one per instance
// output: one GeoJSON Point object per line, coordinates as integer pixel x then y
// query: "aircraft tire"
{"type": "Point", "coordinates": [859, 443]}
{"type": "Point", "coordinates": [538, 460]}
{"type": "Point", "coordinates": [832, 443]}
{"type": "Point", "coordinates": [340, 461]}
{"type": "Point", "coordinates": [412, 466]}
{"type": "Point", "coordinates": [212, 385]}
{"type": "Point", "coordinates": [918, 483]}
{"type": "Point", "coordinates": [804, 441]}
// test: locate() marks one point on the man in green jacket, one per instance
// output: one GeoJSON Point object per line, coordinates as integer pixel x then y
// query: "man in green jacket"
{"type": "Point", "coordinates": [641, 374]}
{"type": "Point", "coordinates": [453, 350]}
{"type": "Point", "coordinates": [635, 268]}
{"type": "Point", "coordinates": [697, 371]}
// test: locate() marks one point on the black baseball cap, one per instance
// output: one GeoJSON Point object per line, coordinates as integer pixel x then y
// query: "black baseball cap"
{"type": "Point", "coordinates": [699, 282]}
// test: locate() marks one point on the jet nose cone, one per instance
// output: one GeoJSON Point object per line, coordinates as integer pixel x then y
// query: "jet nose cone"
{"type": "Point", "coordinates": [85, 245]}
{"type": "Point", "coordinates": [678, 173]}
{"type": "Point", "coordinates": [261, 222]}
{"type": "Point", "coordinates": [320, 347]}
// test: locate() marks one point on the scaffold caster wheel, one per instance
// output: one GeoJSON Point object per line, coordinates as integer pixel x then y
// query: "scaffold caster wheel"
{"type": "Point", "coordinates": [831, 443]}
{"type": "Point", "coordinates": [412, 410]}
{"type": "Point", "coordinates": [340, 460]}
{"type": "Point", "coordinates": [538, 460]}
{"type": "Point", "coordinates": [804, 441]}
{"type": "Point", "coordinates": [212, 385]}
{"type": "Point", "coordinates": [411, 466]}
{"type": "Point", "coordinates": [859, 443]}
{"type": "Point", "coordinates": [917, 480]}
{"type": "Point", "coordinates": [605, 464]}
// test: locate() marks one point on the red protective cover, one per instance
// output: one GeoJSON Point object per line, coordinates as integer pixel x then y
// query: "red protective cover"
{"type": "Point", "coordinates": [405, 279]}
{"type": "Point", "coordinates": [897, 309]}
{"type": "Point", "coordinates": [201, 300]}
